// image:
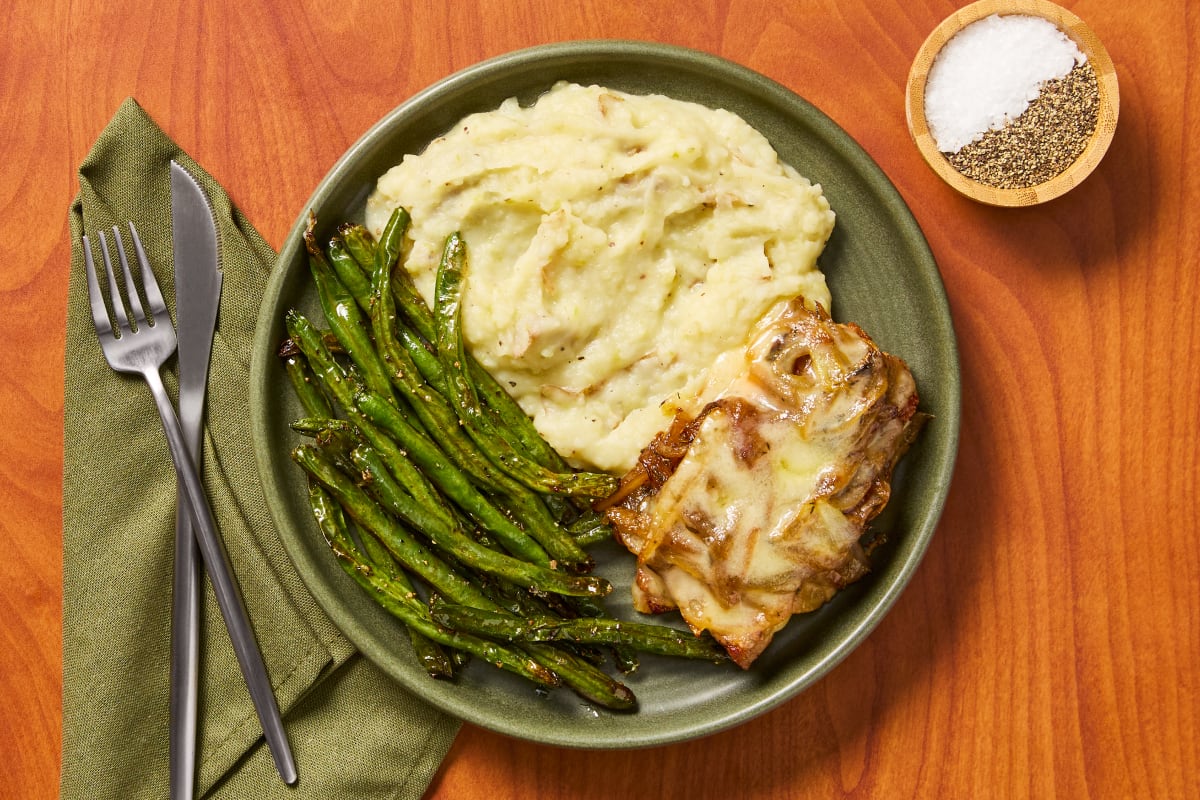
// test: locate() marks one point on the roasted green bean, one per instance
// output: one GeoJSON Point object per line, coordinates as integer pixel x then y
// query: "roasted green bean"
{"type": "Point", "coordinates": [451, 540]}
{"type": "Point", "coordinates": [452, 353]}
{"type": "Point", "coordinates": [343, 385]}
{"type": "Point", "coordinates": [304, 383]}
{"type": "Point", "coordinates": [450, 480]}
{"type": "Point", "coordinates": [399, 599]}
{"type": "Point", "coordinates": [345, 319]}
{"type": "Point", "coordinates": [360, 243]}
{"type": "Point", "coordinates": [642, 636]}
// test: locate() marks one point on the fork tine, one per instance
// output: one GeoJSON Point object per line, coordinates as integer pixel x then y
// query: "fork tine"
{"type": "Point", "coordinates": [135, 302]}
{"type": "Point", "coordinates": [158, 308]}
{"type": "Point", "coordinates": [99, 311]}
{"type": "Point", "coordinates": [114, 291]}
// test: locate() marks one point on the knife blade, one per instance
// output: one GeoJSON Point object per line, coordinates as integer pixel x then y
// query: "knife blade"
{"type": "Point", "coordinates": [198, 282]}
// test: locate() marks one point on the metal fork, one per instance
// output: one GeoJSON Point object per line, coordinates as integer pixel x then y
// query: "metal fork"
{"type": "Point", "coordinates": [139, 344]}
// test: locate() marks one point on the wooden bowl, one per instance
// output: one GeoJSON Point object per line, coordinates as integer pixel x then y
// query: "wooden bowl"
{"type": "Point", "coordinates": [1106, 122]}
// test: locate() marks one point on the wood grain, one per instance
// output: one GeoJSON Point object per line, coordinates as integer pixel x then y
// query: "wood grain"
{"type": "Point", "coordinates": [1048, 644]}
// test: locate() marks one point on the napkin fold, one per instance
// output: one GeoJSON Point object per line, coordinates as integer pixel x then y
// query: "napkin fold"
{"type": "Point", "coordinates": [355, 732]}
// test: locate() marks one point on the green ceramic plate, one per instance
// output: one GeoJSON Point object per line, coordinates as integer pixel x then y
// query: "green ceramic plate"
{"type": "Point", "coordinates": [882, 276]}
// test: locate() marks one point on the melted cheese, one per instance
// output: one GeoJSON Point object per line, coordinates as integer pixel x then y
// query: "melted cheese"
{"type": "Point", "coordinates": [762, 515]}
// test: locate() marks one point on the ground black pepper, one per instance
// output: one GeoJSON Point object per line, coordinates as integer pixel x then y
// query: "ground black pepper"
{"type": "Point", "coordinates": [1043, 141]}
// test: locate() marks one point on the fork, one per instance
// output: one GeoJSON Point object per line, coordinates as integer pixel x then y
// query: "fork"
{"type": "Point", "coordinates": [139, 344]}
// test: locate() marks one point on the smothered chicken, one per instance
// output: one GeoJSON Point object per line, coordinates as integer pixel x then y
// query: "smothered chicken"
{"type": "Point", "coordinates": [752, 509]}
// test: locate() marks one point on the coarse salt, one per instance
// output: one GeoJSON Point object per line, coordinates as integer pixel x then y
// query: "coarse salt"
{"type": "Point", "coordinates": [988, 73]}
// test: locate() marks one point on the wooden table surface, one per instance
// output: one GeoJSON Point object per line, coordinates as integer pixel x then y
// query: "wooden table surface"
{"type": "Point", "coordinates": [1049, 643]}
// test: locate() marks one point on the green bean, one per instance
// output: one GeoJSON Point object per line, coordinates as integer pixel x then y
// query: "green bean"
{"type": "Point", "coordinates": [575, 607]}
{"type": "Point", "coordinates": [453, 483]}
{"type": "Point", "coordinates": [342, 385]}
{"type": "Point", "coordinates": [391, 241]}
{"type": "Point", "coordinates": [443, 424]}
{"type": "Point", "coordinates": [382, 558]}
{"type": "Point", "coordinates": [440, 420]}
{"type": "Point", "coordinates": [360, 243]}
{"type": "Point", "coordinates": [585, 679]}
{"type": "Point", "coordinates": [345, 319]}
{"type": "Point", "coordinates": [452, 353]}
{"type": "Point", "coordinates": [521, 603]}
{"type": "Point", "coordinates": [369, 516]}
{"type": "Point", "coordinates": [557, 541]}
{"type": "Point", "coordinates": [582, 677]}
{"type": "Point", "coordinates": [447, 477]}
{"type": "Point", "coordinates": [578, 665]}
{"type": "Point", "coordinates": [436, 662]}
{"type": "Point", "coordinates": [508, 416]}
{"type": "Point", "coordinates": [332, 522]}
{"type": "Point", "coordinates": [451, 539]}
{"type": "Point", "coordinates": [349, 272]}
{"type": "Point", "coordinates": [529, 508]}
{"type": "Point", "coordinates": [315, 403]}
{"type": "Point", "coordinates": [589, 529]}
{"type": "Point", "coordinates": [315, 427]}
{"type": "Point", "coordinates": [437, 417]}
{"type": "Point", "coordinates": [383, 310]}
{"type": "Point", "coordinates": [512, 419]}
{"type": "Point", "coordinates": [375, 476]}
{"type": "Point", "coordinates": [412, 304]}
{"type": "Point", "coordinates": [400, 600]}
{"type": "Point", "coordinates": [642, 636]}
{"type": "Point", "coordinates": [421, 354]}
{"type": "Point", "coordinates": [330, 430]}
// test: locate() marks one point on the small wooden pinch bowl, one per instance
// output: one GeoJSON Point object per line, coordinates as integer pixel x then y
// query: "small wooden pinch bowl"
{"type": "Point", "coordinates": [1106, 122]}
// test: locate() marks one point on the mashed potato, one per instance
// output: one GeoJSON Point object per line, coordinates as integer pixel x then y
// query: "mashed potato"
{"type": "Point", "coordinates": [618, 245]}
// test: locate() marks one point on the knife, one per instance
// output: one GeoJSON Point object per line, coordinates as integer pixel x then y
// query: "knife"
{"type": "Point", "coordinates": [197, 295]}
{"type": "Point", "coordinates": [198, 282]}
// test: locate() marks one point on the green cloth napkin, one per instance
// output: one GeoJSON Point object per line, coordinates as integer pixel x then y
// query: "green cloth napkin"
{"type": "Point", "coordinates": [354, 731]}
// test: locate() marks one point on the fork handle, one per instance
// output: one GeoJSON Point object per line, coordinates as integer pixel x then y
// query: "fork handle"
{"type": "Point", "coordinates": [229, 597]}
